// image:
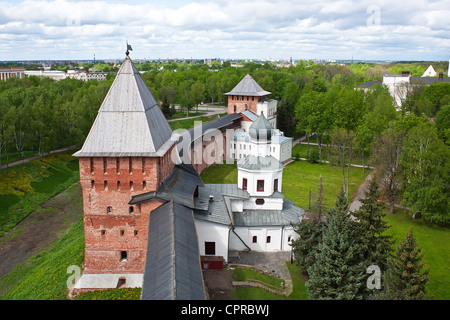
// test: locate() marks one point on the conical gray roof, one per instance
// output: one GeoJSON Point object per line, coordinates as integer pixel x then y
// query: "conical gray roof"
{"type": "Point", "coordinates": [129, 121]}
{"type": "Point", "coordinates": [248, 87]}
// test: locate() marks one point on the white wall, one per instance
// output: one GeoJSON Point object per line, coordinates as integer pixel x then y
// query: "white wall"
{"type": "Point", "coordinates": [212, 232]}
{"type": "Point", "coordinates": [285, 150]}
{"type": "Point", "coordinates": [253, 177]}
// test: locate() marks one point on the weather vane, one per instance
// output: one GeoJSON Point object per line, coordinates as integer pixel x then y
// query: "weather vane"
{"type": "Point", "coordinates": [129, 48]}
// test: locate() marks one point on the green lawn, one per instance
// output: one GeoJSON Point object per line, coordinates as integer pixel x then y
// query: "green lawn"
{"type": "Point", "coordinates": [24, 187]}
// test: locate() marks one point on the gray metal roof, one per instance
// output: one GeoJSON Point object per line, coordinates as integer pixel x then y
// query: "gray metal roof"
{"type": "Point", "coordinates": [129, 121]}
{"type": "Point", "coordinates": [219, 209]}
{"type": "Point", "coordinates": [250, 114]}
{"type": "Point", "coordinates": [289, 214]}
{"type": "Point", "coordinates": [179, 186]}
{"type": "Point", "coordinates": [248, 87]}
{"type": "Point", "coordinates": [172, 268]}
{"type": "Point", "coordinates": [259, 163]}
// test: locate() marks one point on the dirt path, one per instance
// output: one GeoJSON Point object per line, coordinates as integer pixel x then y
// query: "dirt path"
{"type": "Point", "coordinates": [41, 228]}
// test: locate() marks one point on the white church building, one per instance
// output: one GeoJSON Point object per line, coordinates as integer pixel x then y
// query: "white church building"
{"type": "Point", "coordinates": [252, 214]}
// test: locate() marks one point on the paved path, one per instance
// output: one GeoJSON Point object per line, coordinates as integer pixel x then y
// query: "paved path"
{"type": "Point", "coordinates": [356, 204]}
{"type": "Point", "coordinates": [15, 163]}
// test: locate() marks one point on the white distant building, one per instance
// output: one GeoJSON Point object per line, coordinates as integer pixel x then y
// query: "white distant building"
{"type": "Point", "coordinates": [52, 74]}
{"type": "Point", "coordinates": [400, 84]}
{"type": "Point", "coordinates": [7, 73]}
{"type": "Point", "coordinates": [430, 72]}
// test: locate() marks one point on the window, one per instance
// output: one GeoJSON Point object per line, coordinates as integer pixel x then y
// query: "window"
{"type": "Point", "coordinates": [210, 248]}
{"type": "Point", "coordinates": [92, 165]}
{"type": "Point", "coordinates": [135, 233]}
{"type": "Point", "coordinates": [144, 185]}
{"type": "Point", "coordinates": [117, 166]}
{"type": "Point", "coordinates": [105, 185]}
{"type": "Point", "coordinates": [108, 209]}
{"type": "Point", "coordinates": [131, 185]}
{"type": "Point", "coordinates": [118, 185]}
{"type": "Point", "coordinates": [244, 184]}
{"type": "Point", "coordinates": [254, 239]}
{"type": "Point", "coordinates": [123, 256]}
{"type": "Point", "coordinates": [143, 165]}
{"type": "Point", "coordinates": [275, 185]}
{"type": "Point", "coordinates": [259, 202]}
{"type": "Point", "coordinates": [105, 163]}
{"type": "Point", "coordinates": [92, 184]}
{"type": "Point", "coordinates": [130, 165]}
{"type": "Point", "coordinates": [235, 108]}
{"type": "Point", "coordinates": [122, 233]}
{"type": "Point", "coordinates": [260, 185]}
{"type": "Point", "coordinates": [102, 233]}
{"type": "Point", "coordinates": [268, 239]}
{"type": "Point", "coordinates": [131, 209]}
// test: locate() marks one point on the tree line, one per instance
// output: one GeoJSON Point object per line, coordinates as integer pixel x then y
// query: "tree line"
{"type": "Point", "coordinates": [40, 114]}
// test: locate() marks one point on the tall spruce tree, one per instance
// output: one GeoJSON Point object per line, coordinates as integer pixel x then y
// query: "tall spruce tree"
{"type": "Point", "coordinates": [406, 276]}
{"type": "Point", "coordinates": [338, 273]}
{"type": "Point", "coordinates": [305, 247]}
{"type": "Point", "coordinates": [371, 228]}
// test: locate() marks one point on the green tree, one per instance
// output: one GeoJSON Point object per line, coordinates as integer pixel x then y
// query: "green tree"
{"type": "Point", "coordinates": [443, 123]}
{"type": "Point", "coordinates": [387, 156]}
{"type": "Point", "coordinates": [406, 276]}
{"type": "Point", "coordinates": [338, 272]}
{"type": "Point", "coordinates": [310, 230]}
{"type": "Point", "coordinates": [426, 173]}
{"type": "Point", "coordinates": [375, 244]}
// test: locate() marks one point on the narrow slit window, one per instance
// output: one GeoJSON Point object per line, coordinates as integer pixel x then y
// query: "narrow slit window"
{"type": "Point", "coordinates": [123, 256]}
{"type": "Point", "coordinates": [108, 209]}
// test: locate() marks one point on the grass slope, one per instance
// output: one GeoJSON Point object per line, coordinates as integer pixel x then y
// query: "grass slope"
{"type": "Point", "coordinates": [23, 188]}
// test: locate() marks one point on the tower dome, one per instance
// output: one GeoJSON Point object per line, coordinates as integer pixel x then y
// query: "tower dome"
{"type": "Point", "coordinates": [261, 129]}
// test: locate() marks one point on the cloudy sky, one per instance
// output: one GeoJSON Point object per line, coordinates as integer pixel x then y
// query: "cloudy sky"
{"type": "Point", "coordinates": [74, 29]}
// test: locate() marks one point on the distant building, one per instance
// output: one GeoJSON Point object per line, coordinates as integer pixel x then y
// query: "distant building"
{"type": "Point", "coordinates": [430, 72]}
{"type": "Point", "coordinates": [400, 84]}
{"type": "Point", "coordinates": [73, 74]}
{"type": "Point", "coordinates": [52, 74]}
{"type": "Point", "coordinates": [7, 73]}
{"type": "Point", "coordinates": [86, 76]}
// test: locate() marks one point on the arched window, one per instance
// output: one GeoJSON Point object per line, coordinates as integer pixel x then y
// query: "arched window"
{"type": "Point", "coordinates": [108, 209]}
{"type": "Point", "coordinates": [131, 209]}
{"type": "Point", "coordinates": [254, 239]}
{"type": "Point", "coordinates": [268, 239]}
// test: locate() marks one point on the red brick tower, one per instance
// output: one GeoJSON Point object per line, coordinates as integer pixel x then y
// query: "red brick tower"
{"type": "Point", "coordinates": [127, 152]}
{"type": "Point", "coordinates": [245, 95]}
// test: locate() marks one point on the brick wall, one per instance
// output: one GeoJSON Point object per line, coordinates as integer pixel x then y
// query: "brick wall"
{"type": "Point", "coordinates": [115, 232]}
{"type": "Point", "coordinates": [242, 103]}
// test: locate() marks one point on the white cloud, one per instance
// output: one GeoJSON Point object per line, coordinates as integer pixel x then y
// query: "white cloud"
{"type": "Point", "coordinates": [235, 28]}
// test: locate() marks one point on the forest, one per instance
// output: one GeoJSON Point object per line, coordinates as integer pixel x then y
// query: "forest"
{"type": "Point", "coordinates": [409, 146]}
